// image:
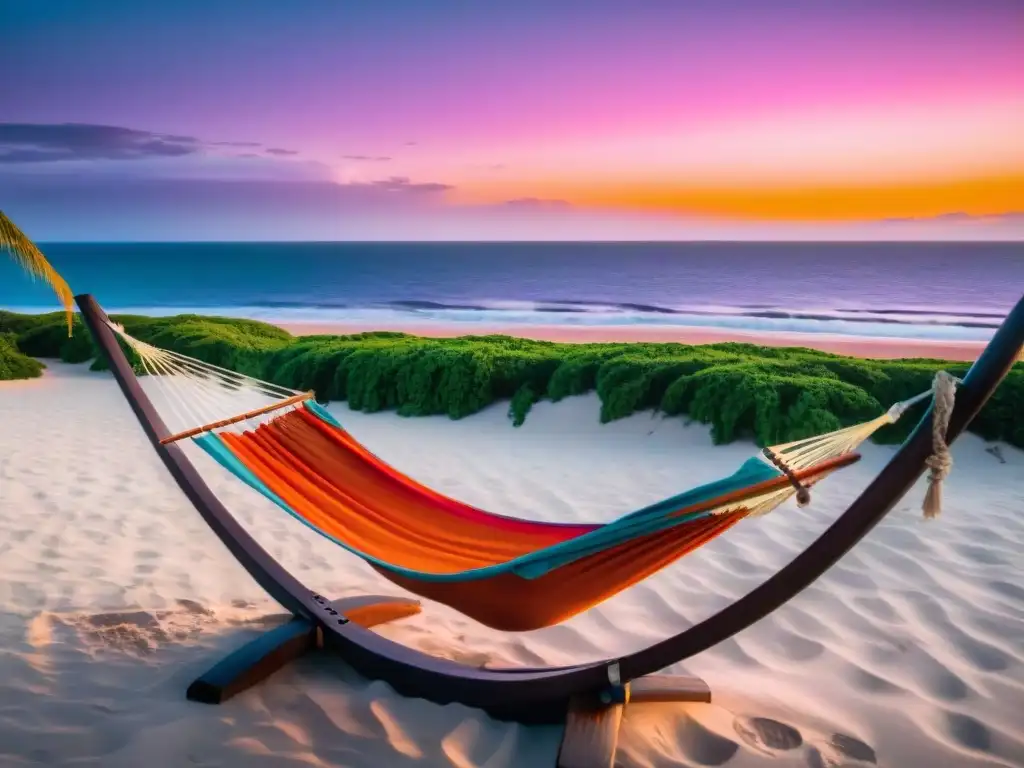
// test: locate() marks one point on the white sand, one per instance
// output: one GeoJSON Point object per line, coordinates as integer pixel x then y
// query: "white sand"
{"type": "Point", "coordinates": [114, 595]}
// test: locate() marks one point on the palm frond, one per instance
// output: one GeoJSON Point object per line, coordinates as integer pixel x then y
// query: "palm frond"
{"type": "Point", "coordinates": [31, 259]}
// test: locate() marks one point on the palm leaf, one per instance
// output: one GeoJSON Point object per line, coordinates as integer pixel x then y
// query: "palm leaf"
{"type": "Point", "coordinates": [31, 259]}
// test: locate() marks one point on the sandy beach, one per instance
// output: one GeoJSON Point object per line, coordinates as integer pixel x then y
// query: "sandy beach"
{"type": "Point", "coordinates": [114, 596]}
{"type": "Point", "coordinates": [869, 347]}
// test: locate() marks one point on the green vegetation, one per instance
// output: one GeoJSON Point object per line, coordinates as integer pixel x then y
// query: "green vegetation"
{"type": "Point", "coordinates": [15, 364]}
{"type": "Point", "coordinates": [768, 394]}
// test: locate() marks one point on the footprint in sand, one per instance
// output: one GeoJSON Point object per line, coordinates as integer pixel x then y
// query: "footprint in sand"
{"type": "Point", "coordinates": [191, 606]}
{"type": "Point", "coordinates": [141, 632]}
{"type": "Point", "coordinates": [841, 751]}
{"type": "Point", "coordinates": [128, 631]}
{"type": "Point", "coordinates": [968, 731]}
{"type": "Point", "coordinates": [853, 748]}
{"type": "Point", "coordinates": [766, 735]}
{"type": "Point", "coordinates": [997, 452]}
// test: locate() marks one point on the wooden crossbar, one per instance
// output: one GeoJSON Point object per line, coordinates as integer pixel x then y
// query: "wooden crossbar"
{"type": "Point", "coordinates": [240, 417]}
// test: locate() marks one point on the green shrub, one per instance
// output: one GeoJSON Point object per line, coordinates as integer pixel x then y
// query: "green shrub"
{"type": "Point", "coordinates": [14, 364]}
{"type": "Point", "coordinates": [742, 390]}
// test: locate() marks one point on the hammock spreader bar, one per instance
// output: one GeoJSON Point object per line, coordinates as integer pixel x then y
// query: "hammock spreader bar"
{"type": "Point", "coordinates": [293, 400]}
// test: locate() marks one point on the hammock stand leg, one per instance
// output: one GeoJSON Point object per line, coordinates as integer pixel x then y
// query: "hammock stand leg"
{"type": "Point", "coordinates": [257, 660]}
{"type": "Point", "coordinates": [592, 723]}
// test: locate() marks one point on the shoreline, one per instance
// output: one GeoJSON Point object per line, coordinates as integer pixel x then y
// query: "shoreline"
{"type": "Point", "coordinates": [867, 347]}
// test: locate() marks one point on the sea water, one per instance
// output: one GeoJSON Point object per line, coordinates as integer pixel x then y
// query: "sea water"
{"type": "Point", "coordinates": [910, 290]}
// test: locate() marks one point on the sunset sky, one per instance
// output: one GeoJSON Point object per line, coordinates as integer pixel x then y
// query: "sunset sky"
{"type": "Point", "coordinates": [512, 119]}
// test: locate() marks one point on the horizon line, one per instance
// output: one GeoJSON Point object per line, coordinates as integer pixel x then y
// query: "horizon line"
{"type": "Point", "coordinates": [566, 241]}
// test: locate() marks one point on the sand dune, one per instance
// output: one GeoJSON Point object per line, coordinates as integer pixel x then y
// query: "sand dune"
{"type": "Point", "coordinates": [114, 595]}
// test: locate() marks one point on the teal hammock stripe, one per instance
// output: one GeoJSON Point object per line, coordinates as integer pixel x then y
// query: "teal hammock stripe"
{"type": "Point", "coordinates": [651, 519]}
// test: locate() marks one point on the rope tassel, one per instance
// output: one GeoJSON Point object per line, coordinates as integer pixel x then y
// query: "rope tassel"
{"type": "Point", "coordinates": [940, 462]}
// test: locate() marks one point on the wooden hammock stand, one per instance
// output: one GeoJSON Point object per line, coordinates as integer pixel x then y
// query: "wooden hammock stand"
{"type": "Point", "coordinates": [589, 698]}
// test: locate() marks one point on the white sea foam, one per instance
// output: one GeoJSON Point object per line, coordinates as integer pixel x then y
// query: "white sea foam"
{"type": "Point", "coordinates": [907, 322]}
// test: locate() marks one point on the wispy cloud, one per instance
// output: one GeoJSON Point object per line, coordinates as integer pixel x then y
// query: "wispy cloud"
{"type": "Point", "coordinates": [29, 143]}
{"type": "Point", "coordinates": [45, 143]}
{"type": "Point", "coordinates": [367, 158]}
{"type": "Point", "coordinates": [401, 184]}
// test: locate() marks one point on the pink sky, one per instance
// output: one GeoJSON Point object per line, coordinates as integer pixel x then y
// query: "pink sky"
{"type": "Point", "coordinates": [743, 113]}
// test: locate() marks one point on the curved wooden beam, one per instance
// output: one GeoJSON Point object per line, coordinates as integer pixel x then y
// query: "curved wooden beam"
{"type": "Point", "coordinates": [867, 511]}
{"type": "Point", "coordinates": [543, 695]}
{"type": "Point", "coordinates": [536, 696]}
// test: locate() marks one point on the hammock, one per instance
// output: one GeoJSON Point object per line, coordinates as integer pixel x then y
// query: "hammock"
{"type": "Point", "coordinates": [508, 573]}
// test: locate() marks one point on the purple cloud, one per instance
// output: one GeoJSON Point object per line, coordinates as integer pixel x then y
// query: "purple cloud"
{"type": "Point", "coordinates": [236, 144]}
{"type": "Point", "coordinates": [25, 143]}
{"type": "Point", "coordinates": [44, 143]}
{"type": "Point", "coordinates": [402, 184]}
{"type": "Point", "coordinates": [368, 158]}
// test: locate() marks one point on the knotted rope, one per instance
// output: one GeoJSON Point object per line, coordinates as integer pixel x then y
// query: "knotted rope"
{"type": "Point", "coordinates": [940, 462]}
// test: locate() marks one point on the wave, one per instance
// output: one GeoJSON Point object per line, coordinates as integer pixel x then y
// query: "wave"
{"type": "Point", "coordinates": [964, 318]}
{"type": "Point", "coordinates": [893, 322]}
{"type": "Point", "coordinates": [642, 312]}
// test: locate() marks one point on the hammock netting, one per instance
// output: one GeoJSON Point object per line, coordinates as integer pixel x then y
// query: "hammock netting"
{"type": "Point", "coordinates": [508, 573]}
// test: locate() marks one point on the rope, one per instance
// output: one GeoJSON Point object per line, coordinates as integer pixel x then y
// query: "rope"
{"type": "Point", "coordinates": [201, 367]}
{"type": "Point", "coordinates": [940, 462]}
{"type": "Point", "coordinates": [200, 393]}
{"type": "Point", "coordinates": [801, 454]}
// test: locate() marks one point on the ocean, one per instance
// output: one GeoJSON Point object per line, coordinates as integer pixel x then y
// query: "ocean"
{"type": "Point", "coordinates": [909, 290]}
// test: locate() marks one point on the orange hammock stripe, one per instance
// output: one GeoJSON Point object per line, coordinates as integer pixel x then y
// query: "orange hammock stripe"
{"type": "Point", "coordinates": [340, 488]}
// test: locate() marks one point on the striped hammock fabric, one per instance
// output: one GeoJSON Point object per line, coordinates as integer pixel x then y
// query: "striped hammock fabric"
{"type": "Point", "coordinates": [508, 573]}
